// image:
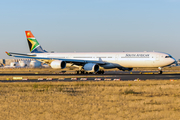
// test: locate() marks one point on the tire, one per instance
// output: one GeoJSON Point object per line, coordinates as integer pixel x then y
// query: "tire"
{"type": "Point", "coordinates": [160, 72]}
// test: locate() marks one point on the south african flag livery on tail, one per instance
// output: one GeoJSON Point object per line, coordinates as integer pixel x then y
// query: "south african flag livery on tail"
{"type": "Point", "coordinates": [33, 43]}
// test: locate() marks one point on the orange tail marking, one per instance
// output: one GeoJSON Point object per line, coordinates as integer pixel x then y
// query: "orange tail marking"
{"type": "Point", "coordinates": [29, 34]}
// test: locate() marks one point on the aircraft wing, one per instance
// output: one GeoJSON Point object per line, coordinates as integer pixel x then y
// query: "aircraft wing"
{"type": "Point", "coordinates": [75, 61]}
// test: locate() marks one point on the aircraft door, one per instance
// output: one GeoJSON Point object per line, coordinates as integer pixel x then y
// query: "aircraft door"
{"type": "Point", "coordinates": [117, 57]}
{"type": "Point", "coordinates": [157, 57]}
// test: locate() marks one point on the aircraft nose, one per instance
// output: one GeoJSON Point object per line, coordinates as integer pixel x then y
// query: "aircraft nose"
{"type": "Point", "coordinates": [173, 61]}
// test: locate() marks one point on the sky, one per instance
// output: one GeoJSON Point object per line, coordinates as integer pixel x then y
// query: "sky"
{"type": "Point", "coordinates": [91, 25]}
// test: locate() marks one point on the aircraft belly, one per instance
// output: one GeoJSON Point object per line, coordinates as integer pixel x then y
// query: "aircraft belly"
{"type": "Point", "coordinates": [136, 63]}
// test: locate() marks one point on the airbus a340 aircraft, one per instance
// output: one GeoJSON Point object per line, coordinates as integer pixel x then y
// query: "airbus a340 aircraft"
{"type": "Point", "coordinates": [95, 62]}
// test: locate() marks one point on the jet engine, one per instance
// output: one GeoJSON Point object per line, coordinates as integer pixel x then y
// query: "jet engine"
{"type": "Point", "coordinates": [23, 63]}
{"type": "Point", "coordinates": [35, 64]}
{"type": "Point", "coordinates": [14, 64]}
{"type": "Point", "coordinates": [58, 64]}
{"type": "Point", "coordinates": [91, 67]}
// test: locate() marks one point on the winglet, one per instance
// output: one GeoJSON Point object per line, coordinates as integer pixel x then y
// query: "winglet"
{"type": "Point", "coordinates": [8, 54]}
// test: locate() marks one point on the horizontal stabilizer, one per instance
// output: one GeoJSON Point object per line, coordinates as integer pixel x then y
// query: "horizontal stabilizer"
{"type": "Point", "coordinates": [11, 53]}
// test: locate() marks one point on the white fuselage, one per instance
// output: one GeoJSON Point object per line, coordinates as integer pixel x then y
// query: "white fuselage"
{"type": "Point", "coordinates": [117, 59]}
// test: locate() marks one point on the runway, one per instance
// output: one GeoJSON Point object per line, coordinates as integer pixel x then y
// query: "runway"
{"type": "Point", "coordinates": [92, 77]}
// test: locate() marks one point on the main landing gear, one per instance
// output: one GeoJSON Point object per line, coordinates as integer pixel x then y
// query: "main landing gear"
{"type": "Point", "coordinates": [100, 72]}
{"type": "Point", "coordinates": [84, 72]}
{"type": "Point", "coordinates": [80, 72]}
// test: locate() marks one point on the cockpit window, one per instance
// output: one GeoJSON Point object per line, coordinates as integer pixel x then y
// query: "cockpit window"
{"type": "Point", "coordinates": [168, 56]}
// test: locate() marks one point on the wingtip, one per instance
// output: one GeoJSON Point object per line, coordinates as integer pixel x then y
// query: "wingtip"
{"type": "Point", "coordinates": [8, 53]}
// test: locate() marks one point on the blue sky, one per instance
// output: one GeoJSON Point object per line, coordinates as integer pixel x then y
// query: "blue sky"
{"type": "Point", "coordinates": [91, 25]}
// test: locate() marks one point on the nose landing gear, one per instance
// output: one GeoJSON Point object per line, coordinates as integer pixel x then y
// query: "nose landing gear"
{"type": "Point", "coordinates": [160, 70]}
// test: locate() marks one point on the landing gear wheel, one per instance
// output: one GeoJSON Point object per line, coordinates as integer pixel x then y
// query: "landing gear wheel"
{"type": "Point", "coordinates": [160, 72]}
{"type": "Point", "coordinates": [100, 72]}
{"type": "Point", "coordinates": [82, 72]}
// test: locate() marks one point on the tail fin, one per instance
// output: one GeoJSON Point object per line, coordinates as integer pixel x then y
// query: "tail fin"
{"type": "Point", "coordinates": [34, 46]}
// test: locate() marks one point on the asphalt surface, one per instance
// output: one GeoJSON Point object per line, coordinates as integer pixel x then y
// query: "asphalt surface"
{"type": "Point", "coordinates": [105, 77]}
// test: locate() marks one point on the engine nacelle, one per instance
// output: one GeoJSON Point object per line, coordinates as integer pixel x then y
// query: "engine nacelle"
{"type": "Point", "coordinates": [23, 63]}
{"type": "Point", "coordinates": [91, 67]}
{"type": "Point", "coordinates": [58, 64]}
{"type": "Point", "coordinates": [14, 64]}
{"type": "Point", "coordinates": [35, 64]}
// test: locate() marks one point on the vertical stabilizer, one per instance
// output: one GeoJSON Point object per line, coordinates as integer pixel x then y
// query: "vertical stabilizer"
{"type": "Point", "coordinates": [34, 46]}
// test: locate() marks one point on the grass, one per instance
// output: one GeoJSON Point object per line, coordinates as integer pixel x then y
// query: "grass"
{"type": "Point", "coordinates": [90, 100]}
{"type": "Point", "coordinates": [130, 91]}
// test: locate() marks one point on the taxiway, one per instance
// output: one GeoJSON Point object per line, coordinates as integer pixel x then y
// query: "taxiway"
{"type": "Point", "coordinates": [92, 77]}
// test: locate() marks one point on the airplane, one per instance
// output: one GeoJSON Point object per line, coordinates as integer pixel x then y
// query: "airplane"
{"type": "Point", "coordinates": [95, 62]}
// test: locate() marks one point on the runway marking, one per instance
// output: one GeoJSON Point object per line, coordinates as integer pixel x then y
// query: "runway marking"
{"type": "Point", "coordinates": [40, 79]}
{"type": "Point", "coordinates": [49, 79]}
{"type": "Point", "coordinates": [25, 79]}
{"type": "Point", "coordinates": [107, 79]}
{"type": "Point", "coordinates": [83, 78]}
{"type": "Point", "coordinates": [17, 78]}
{"type": "Point", "coordinates": [97, 79]}
{"type": "Point", "coordinates": [117, 79]}
{"type": "Point", "coordinates": [73, 78]}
